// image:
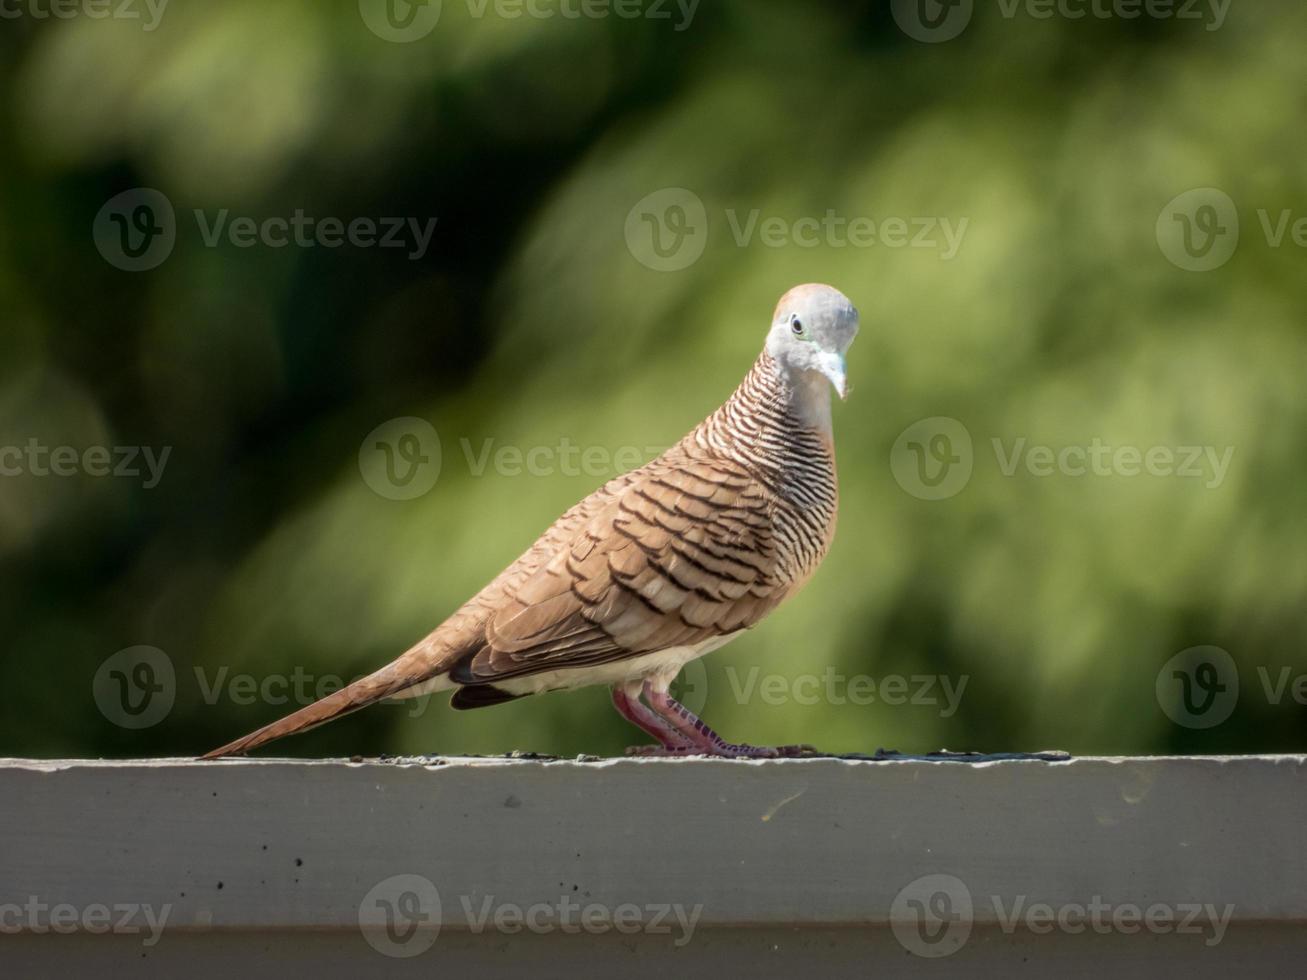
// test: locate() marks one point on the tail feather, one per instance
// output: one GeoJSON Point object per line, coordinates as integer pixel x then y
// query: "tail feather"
{"type": "Point", "coordinates": [386, 682]}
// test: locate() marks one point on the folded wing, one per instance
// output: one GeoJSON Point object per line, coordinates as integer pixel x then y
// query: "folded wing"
{"type": "Point", "coordinates": [682, 554]}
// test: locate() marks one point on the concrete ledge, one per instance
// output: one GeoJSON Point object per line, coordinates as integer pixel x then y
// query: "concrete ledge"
{"type": "Point", "coordinates": [822, 854]}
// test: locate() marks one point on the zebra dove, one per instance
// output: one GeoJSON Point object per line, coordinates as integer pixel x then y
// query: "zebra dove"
{"type": "Point", "coordinates": [659, 566]}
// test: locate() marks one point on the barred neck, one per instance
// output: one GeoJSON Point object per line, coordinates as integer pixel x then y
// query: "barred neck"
{"type": "Point", "coordinates": [780, 429]}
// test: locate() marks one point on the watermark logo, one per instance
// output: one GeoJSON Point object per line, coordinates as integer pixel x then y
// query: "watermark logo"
{"type": "Point", "coordinates": [932, 21]}
{"type": "Point", "coordinates": [935, 21]}
{"type": "Point", "coordinates": [400, 21]}
{"type": "Point", "coordinates": [931, 916]}
{"type": "Point", "coordinates": [400, 916]}
{"type": "Point", "coordinates": [1198, 231]}
{"type": "Point", "coordinates": [136, 687]}
{"type": "Point", "coordinates": [400, 459]}
{"type": "Point", "coordinates": [136, 230]}
{"type": "Point", "coordinates": [1198, 687]}
{"type": "Point", "coordinates": [691, 686]}
{"type": "Point", "coordinates": [932, 459]}
{"type": "Point", "coordinates": [667, 230]}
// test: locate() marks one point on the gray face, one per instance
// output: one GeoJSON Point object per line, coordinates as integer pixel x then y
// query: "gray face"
{"type": "Point", "coordinates": [811, 330]}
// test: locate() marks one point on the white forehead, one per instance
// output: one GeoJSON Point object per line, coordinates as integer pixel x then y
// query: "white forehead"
{"type": "Point", "coordinates": [822, 307]}
{"type": "Point", "coordinates": [817, 301]}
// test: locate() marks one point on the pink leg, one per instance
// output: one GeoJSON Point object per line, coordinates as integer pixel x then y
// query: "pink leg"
{"type": "Point", "coordinates": [629, 706]}
{"type": "Point", "coordinates": [704, 739]}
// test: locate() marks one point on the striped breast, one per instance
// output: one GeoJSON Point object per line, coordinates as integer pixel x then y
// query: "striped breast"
{"type": "Point", "coordinates": [700, 543]}
{"type": "Point", "coordinates": [762, 428]}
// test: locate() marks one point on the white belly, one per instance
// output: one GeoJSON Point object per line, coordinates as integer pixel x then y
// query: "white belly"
{"type": "Point", "coordinates": [664, 664]}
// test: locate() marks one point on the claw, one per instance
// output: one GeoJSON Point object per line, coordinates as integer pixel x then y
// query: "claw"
{"type": "Point", "coordinates": [798, 751]}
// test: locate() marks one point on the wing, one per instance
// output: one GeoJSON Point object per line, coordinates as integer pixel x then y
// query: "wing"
{"type": "Point", "coordinates": [683, 553]}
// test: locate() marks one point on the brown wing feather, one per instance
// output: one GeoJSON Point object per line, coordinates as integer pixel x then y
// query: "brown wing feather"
{"type": "Point", "coordinates": [674, 553]}
{"type": "Point", "coordinates": [681, 554]}
{"type": "Point", "coordinates": [459, 636]}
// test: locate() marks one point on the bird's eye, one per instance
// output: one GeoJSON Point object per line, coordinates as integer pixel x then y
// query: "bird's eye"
{"type": "Point", "coordinates": [797, 326]}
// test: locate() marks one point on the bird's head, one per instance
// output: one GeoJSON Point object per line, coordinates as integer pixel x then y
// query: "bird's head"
{"type": "Point", "coordinates": [810, 333]}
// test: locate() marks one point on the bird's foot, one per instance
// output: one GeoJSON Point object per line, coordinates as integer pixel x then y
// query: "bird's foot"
{"type": "Point", "coordinates": [766, 751]}
{"type": "Point", "coordinates": [800, 750]}
{"type": "Point", "coordinates": [686, 727]}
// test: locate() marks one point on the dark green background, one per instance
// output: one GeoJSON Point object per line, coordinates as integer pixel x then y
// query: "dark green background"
{"type": "Point", "coordinates": [1059, 321]}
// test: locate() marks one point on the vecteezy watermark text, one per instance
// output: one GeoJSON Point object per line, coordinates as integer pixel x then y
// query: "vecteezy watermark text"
{"type": "Point", "coordinates": [1200, 230]}
{"type": "Point", "coordinates": [571, 916]}
{"type": "Point", "coordinates": [124, 462]}
{"type": "Point", "coordinates": [300, 687]}
{"type": "Point", "coordinates": [121, 918]}
{"type": "Point", "coordinates": [305, 231]}
{"type": "Point", "coordinates": [835, 230]}
{"type": "Point", "coordinates": [932, 916]}
{"type": "Point", "coordinates": [680, 11]}
{"type": "Point", "coordinates": [401, 916]}
{"type": "Point", "coordinates": [936, 21]}
{"type": "Point", "coordinates": [933, 459]}
{"type": "Point", "coordinates": [669, 229]}
{"type": "Point", "coordinates": [405, 21]}
{"type": "Point", "coordinates": [137, 230]}
{"type": "Point", "coordinates": [1199, 687]}
{"type": "Point", "coordinates": [402, 458]}
{"type": "Point", "coordinates": [148, 12]}
{"type": "Point", "coordinates": [136, 688]}
{"type": "Point", "coordinates": [1101, 459]}
{"type": "Point", "coordinates": [834, 687]}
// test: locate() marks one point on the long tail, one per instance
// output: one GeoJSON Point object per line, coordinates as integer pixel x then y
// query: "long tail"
{"type": "Point", "coordinates": [407, 672]}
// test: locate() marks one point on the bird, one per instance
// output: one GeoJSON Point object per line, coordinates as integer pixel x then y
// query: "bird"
{"type": "Point", "coordinates": [661, 565]}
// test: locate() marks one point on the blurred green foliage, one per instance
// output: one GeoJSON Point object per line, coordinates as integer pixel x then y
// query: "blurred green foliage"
{"type": "Point", "coordinates": [529, 321]}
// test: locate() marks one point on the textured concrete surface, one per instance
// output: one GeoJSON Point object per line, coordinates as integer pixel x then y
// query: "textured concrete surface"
{"type": "Point", "coordinates": [647, 865]}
